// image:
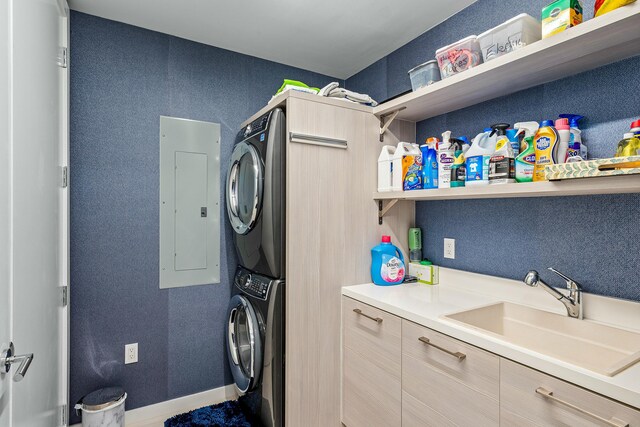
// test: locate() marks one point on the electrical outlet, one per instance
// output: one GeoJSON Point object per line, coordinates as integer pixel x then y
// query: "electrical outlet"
{"type": "Point", "coordinates": [450, 248]}
{"type": "Point", "coordinates": [131, 353]}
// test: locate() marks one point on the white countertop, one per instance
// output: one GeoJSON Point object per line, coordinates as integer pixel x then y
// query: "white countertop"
{"type": "Point", "coordinates": [459, 290]}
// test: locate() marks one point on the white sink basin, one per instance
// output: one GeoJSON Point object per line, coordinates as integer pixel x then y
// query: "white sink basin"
{"type": "Point", "coordinates": [603, 349]}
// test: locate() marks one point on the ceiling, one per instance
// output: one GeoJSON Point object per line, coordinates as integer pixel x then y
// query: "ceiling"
{"type": "Point", "coordinates": [333, 37]}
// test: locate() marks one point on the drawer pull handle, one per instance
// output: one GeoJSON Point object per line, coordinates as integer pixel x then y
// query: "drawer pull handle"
{"type": "Point", "coordinates": [375, 319]}
{"type": "Point", "coordinates": [318, 140]}
{"type": "Point", "coordinates": [614, 422]}
{"type": "Point", "coordinates": [460, 356]}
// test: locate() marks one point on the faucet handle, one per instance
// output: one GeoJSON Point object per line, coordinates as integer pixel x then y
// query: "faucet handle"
{"type": "Point", "coordinates": [571, 284]}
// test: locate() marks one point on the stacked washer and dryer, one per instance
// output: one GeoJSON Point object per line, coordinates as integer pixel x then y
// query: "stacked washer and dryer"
{"type": "Point", "coordinates": [255, 318]}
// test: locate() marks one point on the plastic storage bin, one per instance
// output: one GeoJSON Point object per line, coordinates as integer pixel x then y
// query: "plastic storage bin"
{"type": "Point", "coordinates": [459, 56]}
{"type": "Point", "coordinates": [424, 74]}
{"type": "Point", "coordinates": [512, 35]}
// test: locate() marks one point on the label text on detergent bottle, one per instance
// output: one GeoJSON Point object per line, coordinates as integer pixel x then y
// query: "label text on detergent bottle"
{"type": "Point", "coordinates": [392, 269]}
{"type": "Point", "coordinates": [543, 143]}
{"type": "Point", "coordinates": [477, 168]}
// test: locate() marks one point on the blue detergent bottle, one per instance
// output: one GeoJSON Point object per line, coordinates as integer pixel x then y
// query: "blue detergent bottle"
{"type": "Point", "coordinates": [387, 264]}
{"type": "Point", "coordinates": [429, 169]}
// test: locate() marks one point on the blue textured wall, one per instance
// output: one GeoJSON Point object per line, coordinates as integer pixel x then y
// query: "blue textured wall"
{"type": "Point", "coordinates": [592, 238]}
{"type": "Point", "coordinates": [122, 79]}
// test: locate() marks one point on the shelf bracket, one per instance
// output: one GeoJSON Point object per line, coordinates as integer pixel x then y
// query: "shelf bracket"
{"type": "Point", "coordinates": [382, 210]}
{"type": "Point", "coordinates": [386, 120]}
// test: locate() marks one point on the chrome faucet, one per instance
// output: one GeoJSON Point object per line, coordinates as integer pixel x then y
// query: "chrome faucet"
{"type": "Point", "coordinates": [572, 302]}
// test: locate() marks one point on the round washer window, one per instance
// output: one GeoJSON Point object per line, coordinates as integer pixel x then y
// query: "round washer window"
{"type": "Point", "coordinates": [244, 187]}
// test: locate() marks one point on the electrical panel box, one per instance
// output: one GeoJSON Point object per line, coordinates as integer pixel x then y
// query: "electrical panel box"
{"type": "Point", "coordinates": [189, 202]}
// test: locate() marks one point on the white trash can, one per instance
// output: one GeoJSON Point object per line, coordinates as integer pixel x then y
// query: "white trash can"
{"type": "Point", "coordinates": [103, 408]}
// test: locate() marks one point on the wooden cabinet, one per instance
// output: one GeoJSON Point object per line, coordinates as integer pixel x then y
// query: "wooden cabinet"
{"type": "Point", "coordinates": [398, 373]}
{"type": "Point", "coordinates": [371, 366]}
{"type": "Point", "coordinates": [332, 153]}
{"type": "Point", "coordinates": [454, 380]}
{"type": "Point", "coordinates": [530, 397]}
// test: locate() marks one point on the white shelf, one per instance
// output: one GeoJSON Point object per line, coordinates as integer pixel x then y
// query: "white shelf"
{"type": "Point", "coordinates": [592, 44]}
{"type": "Point", "coordinates": [569, 187]}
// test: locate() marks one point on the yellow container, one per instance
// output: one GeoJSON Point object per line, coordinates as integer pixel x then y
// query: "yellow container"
{"type": "Point", "coordinates": [546, 146]}
{"type": "Point", "coordinates": [560, 16]}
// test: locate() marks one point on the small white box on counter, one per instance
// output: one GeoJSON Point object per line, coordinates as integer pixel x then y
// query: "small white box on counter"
{"type": "Point", "coordinates": [426, 274]}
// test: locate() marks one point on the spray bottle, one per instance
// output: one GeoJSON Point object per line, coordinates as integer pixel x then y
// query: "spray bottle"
{"type": "Point", "coordinates": [502, 168]}
{"type": "Point", "coordinates": [576, 146]}
{"type": "Point", "coordinates": [446, 155]}
{"type": "Point", "coordinates": [526, 160]}
{"type": "Point", "coordinates": [458, 169]}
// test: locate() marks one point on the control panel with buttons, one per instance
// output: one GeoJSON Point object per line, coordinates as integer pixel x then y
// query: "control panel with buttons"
{"type": "Point", "coordinates": [255, 127]}
{"type": "Point", "coordinates": [253, 284]}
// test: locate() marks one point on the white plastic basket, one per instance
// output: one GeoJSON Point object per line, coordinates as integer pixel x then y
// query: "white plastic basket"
{"type": "Point", "coordinates": [511, 35]}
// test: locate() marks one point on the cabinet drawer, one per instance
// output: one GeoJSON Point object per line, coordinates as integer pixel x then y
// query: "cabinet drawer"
{"type": "Point", "coordinates": [446, 395]}
{"type": "Point", "coordinates": [417, 414]}
{"type": "Point", "coordinates": [373, 333]}
{"type": "Point", "coordinates": [371, 356]}
{"type": "Point", "coordinates": [371, 396]}
{"type": "Point", "coordinates": [478, 369]}
{"type": "Point", "coordinates": [522, 394]}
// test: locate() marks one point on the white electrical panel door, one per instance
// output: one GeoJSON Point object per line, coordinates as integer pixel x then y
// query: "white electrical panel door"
{"type": "Point", "coordinates": [189, 202]}
{"type": "Point", "coordinates": [191, 211]}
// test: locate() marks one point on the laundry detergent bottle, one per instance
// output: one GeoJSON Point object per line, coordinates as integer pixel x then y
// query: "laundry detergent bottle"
{"type": "Point", "coordinates": [429, 166]}
{"type": "Point", "coordinates": [387, 264]}
{"type": "Point", "coordinates": [477, 159]}
{"type": "Point", "coordinates": [546, 143]}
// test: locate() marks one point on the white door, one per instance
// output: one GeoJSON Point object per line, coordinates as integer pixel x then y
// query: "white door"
{"type": "Point", "coordinates": [33, 254]}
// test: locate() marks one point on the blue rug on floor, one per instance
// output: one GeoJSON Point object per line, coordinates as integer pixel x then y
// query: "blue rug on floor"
{"type": "Point", "coordinates": [231, 413]}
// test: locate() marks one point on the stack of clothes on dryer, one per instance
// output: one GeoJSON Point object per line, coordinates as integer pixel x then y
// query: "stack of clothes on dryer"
{"type": "Point", "coordinates": [332, 90]}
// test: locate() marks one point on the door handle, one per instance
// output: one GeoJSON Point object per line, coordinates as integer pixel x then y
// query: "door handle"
{"type": "Point", "coordinates": [8, 358]}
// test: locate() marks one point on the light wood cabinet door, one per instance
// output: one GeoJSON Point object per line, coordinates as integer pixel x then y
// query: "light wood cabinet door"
{"type": "Point", "coordinates": [456, 383]}
{"type": "Point", "coordinates": [331, 228]}
{"type": "Point", "coordinates": [530, 397]}
{"type": "Point", "coordinates": [371, 390]}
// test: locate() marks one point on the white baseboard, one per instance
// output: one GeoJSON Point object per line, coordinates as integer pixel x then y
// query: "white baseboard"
{"type": "Point", "coordinates": [156, 414]}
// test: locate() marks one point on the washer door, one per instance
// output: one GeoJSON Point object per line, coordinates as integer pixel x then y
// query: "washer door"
{"type": "Point", "coordinates": [244, 187]}
{"type": "Point", "coordinates": [244, 343]}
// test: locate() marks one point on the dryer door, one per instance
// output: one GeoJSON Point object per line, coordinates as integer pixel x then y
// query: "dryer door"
{"type": "Point", "coordinates": [244, 343]}
{"type": "Point", "coordinates": [244, 187]}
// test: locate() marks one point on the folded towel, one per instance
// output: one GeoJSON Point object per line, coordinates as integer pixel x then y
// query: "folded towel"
{"type": "Point", "coordinates": [328, 88]}
{"type": "Point", "coordinates": [288, 84]}
{"type": "Point", "coordinates": [334, 90]}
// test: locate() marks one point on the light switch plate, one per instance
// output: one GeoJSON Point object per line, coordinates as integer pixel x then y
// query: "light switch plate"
{"type": "Point", "coordinates": [450, 248]}
{"type": "Point", "coordinates": [131, 353]}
